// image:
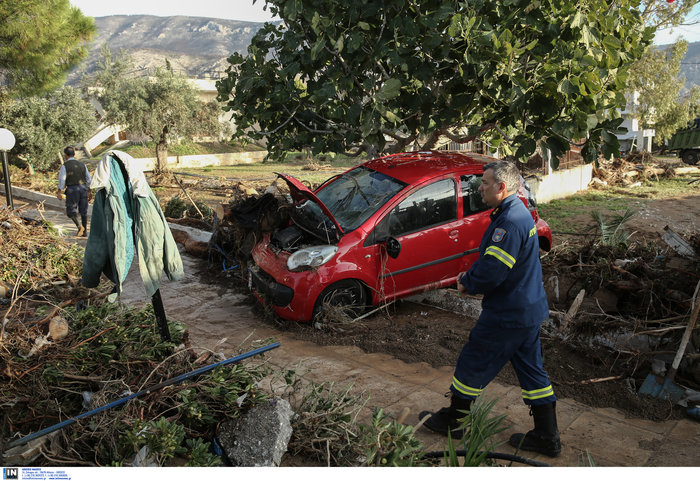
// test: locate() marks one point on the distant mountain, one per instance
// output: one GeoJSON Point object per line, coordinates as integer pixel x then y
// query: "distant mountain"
{"type": "Point", "coordinates": [196, 46]}
{"type": "Point", "coordinates": [690, 67]}
{"type": "Point", "coordinates": [199, 46]}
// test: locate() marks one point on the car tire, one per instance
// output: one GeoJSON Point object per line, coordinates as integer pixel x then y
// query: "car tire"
{"type": "Point", "coordinates": [349, 294]}
{"type": "Point", "coordinates": [690, 157]}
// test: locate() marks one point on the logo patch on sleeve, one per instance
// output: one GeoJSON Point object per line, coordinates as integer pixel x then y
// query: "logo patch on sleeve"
{"type": "Point", "coordinates": [498, 234]}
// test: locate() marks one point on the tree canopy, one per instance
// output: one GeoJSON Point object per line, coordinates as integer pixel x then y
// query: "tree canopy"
{"type": "Point", "coordinates": [654, 81]}
{"type": "Point", "coordinates": [162, 106]}
{"type": "Point", "coordinates": [347, 76]}
{"type": "Point", "coordinates": [44, 125]}
{"type": "Point", "coordinates": [655, 84]}
{"type": "Point", "coordinates": [40, 41]}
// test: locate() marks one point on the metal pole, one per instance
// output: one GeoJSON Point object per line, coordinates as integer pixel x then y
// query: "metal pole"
{"type": "Point", "coordinates": [6, 174]}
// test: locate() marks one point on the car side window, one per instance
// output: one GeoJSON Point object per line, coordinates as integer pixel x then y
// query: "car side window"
{"type": "Point", "coordinates": [471, 198]}
{"type": "Point", "coordinates": [431, 205]}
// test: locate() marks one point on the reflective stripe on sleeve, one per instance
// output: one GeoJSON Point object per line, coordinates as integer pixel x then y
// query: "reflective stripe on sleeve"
{"type": "Point", "coordinates": [464, 389]}
{"type": "Point", "coordinates": [538, 393]}
{"type": "Point", "coordinates": [501, 255]}
{"type": "Point", "coordinates": [533, 231]}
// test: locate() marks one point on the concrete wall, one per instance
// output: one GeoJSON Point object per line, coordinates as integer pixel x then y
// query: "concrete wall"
{"type": "Point", "coordinates": [560, 183]}
{"type": "Point", "coordinates": [205, 160]}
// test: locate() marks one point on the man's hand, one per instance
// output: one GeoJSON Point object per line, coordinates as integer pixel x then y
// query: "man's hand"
{"type": "Point", "coordinates": [89, 195]}
{"type": "Point", "coordinates": [59, 195]}
{"type": "Point", "coordinates": [460, 287]}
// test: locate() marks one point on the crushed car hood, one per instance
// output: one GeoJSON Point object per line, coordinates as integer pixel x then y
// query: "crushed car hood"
{"type": "Point", "coordinates": [300, 192]}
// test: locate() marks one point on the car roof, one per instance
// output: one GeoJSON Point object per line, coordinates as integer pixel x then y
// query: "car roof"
{"type": "Point", "coordinates": [411, 167]}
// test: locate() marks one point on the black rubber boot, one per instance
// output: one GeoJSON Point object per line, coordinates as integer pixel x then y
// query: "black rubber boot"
{"type": "Point", "coordinates": [81, 229]}
{"type": "Point", "coordinates": [447, 420]}
{"type": "Point", "coordinates": [75, 221]}
{"type": "Point", "coordinates": [544, 439]}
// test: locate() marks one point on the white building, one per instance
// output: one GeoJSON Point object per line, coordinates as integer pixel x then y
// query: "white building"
{"type": "Point", "coordinates": [636, 139]}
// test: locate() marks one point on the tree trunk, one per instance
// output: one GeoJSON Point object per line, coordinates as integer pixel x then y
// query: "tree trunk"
{"type": "Point", "coordinates": [162, 154]}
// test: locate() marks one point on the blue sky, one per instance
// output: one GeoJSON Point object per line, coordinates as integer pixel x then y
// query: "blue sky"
{"type": "Point", "coordinates": [246, 10]}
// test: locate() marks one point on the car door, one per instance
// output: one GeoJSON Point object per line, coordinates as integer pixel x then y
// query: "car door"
{"type": "Point", "coordinates": [475, 221]}
{"type": "Point", "coordinates": [426, 225]}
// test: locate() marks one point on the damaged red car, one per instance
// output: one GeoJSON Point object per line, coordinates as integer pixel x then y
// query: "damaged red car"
{"type": "Point", "coordinates": [386, 229]}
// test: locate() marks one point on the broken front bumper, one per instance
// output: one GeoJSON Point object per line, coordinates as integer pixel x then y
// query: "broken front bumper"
{"type": "Point", "coordinates": [280, 295]}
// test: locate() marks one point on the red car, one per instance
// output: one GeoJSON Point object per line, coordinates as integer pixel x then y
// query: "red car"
{"type": "Point", "coordinates": [386, 229]}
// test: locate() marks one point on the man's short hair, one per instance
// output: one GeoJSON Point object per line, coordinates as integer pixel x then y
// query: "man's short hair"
{"type": "Point", "coordinates": [69, 151]}
{"type": "Point", "coordinates": [504, 171]}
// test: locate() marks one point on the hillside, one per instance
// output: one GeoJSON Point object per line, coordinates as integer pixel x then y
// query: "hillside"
{"type": "Point", "coordinates": [197, 46]}
{"type": "Point", "coordinates": [691, 65]}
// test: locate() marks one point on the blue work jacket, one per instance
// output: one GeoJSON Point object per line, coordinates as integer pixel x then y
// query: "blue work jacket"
{"type": "Point", "coordinates": [508, 272]}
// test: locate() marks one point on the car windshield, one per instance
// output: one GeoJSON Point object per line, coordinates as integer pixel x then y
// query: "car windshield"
{"type": "Point", "coordinates": [355, 195]}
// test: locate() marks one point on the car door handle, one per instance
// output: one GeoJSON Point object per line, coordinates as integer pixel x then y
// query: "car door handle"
{"type": "Point", "coordinates": [454, 233]}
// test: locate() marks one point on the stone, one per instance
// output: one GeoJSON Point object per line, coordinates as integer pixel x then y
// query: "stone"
{"type": "Point", "coordinates": [260, 437]}
{"type": "Point", "coordinates": [58, 328]}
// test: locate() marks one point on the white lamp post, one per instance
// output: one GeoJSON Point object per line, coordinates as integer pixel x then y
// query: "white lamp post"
{"type": "Point", "coordinates": [7, 141]}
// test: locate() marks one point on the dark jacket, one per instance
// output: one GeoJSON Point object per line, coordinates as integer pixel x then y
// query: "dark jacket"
{"type": "Point", "coordinates": [508, 272]}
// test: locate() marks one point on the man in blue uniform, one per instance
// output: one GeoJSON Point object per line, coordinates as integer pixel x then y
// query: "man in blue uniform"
{"type": "Point", "coordinates": [509, 275]}
{"type": "Point", "coordinates": [74, 178]}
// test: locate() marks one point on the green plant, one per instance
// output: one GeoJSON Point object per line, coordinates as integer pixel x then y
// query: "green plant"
{"type": "Point", "coordinates": [175, 208]}
{"type": "Point", "coordinates": [389, 443]}
{"type": "Point", "coordinates": [480, 429]}
{"type": "Point", "coordinates": [163, 438]}
{"type": "Point", "coordinates": [586, 459]}
{"type": "Point", "coordinates": [199, 454]}
{"type": "Point", "coordinates": [325, 425]}
{"type": "Point", "coordinates": [611, 231]}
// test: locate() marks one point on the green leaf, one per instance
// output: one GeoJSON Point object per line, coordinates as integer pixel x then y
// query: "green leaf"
{"type": "Point", "coordinates": [390, 89]}
{"type": "Point", "coordinates": [526, 149]}
{"type": "Point", "coordinates": [591, 121]}
{"type": "Point", "coordinates": [340, 43]}
{"type": "Point", "coordinates": [363, 25]}
{"type": "Point", "coordinates": [579, 20]}
{"type": "Point", "coordinates": [316, 49]}
{"type": "Point", "coordinates": [612, 44]}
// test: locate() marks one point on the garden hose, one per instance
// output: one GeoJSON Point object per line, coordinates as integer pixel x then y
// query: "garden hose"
{"type": "Point", "coordinates": [491, 455]}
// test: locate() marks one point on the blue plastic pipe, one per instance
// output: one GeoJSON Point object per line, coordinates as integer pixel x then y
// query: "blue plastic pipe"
{"type": "Point", "coordinates": [151, 389]}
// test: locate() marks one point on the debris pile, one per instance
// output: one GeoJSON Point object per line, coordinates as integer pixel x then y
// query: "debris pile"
{"type": "Point", "coordinates": [634, 298]}
{"type": "Point", "coordinates": [64, 351]}
{"type": "Point", "coordinates": [635, 168]}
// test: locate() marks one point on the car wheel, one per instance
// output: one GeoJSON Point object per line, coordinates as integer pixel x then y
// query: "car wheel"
{"type": "Point", "coordinates": [690, 157]}
{"type": "Point", "coordinates": [341, 300]}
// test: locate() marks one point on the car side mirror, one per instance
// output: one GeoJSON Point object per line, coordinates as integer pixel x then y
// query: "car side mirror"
{"type": "Point", "coordinates": [393, 247]}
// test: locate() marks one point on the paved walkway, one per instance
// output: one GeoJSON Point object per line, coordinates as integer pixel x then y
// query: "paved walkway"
{"type": "Point", "coordinates": [213, 313]}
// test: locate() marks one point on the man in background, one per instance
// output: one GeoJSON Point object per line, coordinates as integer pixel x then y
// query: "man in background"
{"type": "Point", "coordinates": [74, 179]}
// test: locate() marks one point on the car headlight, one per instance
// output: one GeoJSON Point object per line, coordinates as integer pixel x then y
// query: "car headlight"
{"type": "Point", "coordinates": [310, 257]}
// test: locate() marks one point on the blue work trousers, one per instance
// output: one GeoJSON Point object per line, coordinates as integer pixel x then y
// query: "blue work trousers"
{"type": "Point", "coordinates": [489, 349]}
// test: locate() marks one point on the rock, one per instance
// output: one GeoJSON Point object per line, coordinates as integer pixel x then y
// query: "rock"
{"type": "Point", "coordinates": [58, 328]}
{"type": "Point", "coordinates": [260, 437]}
